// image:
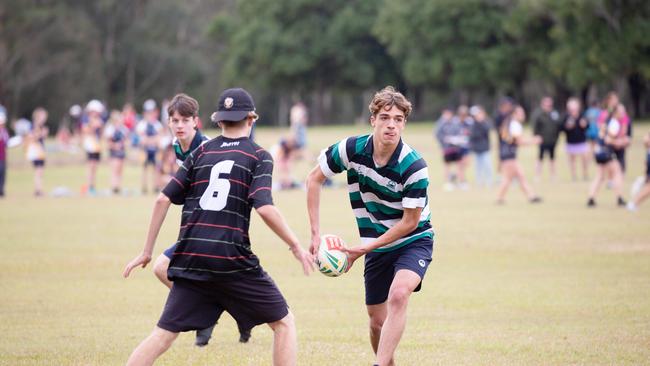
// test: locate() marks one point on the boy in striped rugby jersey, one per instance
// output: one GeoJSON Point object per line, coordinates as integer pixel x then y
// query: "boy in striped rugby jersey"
{"type": "Point", "coordinates": [183, 112]}
{"type": "Point", "coordinates": [387, 183]}
{"type": "Point", "coordinates": [213, 267]}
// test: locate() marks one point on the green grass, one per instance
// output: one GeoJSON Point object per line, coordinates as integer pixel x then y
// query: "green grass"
{"type": "Point", "coordinates": [553, 284]}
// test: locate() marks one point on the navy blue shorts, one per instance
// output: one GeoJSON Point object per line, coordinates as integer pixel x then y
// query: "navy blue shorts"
{"type": "Point", "coordinates": [169, 252]}
{"type": "Point", "coordinates": [380, 268]}
{"type": "Point", "coordinates": [194, 305]}
{"type": "Point", "coordinates": [150, 157]}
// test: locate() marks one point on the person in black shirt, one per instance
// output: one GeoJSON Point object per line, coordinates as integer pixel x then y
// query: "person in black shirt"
{"type": "Point", "coordinates": [213, 266]}
{"type": "Point", "coordinates": [575, 127]}
{"type": "Point", "coordinates": [547, 125]}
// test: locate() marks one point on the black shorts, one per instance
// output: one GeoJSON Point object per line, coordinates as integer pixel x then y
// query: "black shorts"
{"type": "Point", "coordinates": [38, 163]}
{"type": "Point", "coordinates": [194, 305]}
{"type": "Point", "coordinates": [150, 157]}
{"type": "Point", "coordinates": [380, 268]}
{"type": "Point", "coordinates": [452, 155]}
{"type": "Point", "coordinates": [549, 148]}
{"type": "Point", "coordinates": [93, 156]}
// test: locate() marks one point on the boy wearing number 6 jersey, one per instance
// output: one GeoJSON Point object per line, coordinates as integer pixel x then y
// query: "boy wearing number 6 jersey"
{"type": "Point", "coordinates": [213, 267]}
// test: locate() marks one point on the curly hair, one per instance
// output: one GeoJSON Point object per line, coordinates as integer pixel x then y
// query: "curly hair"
{"type": "Point", "coordinates": [387, 98]}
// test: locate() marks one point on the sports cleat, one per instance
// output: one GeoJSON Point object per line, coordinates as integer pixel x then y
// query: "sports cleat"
{"type": "Point", "coordinates": [591, 203]}
{"type": "Point", "coordinates": [244, 335]}
{"type": "Point", "coordinates": [536, 199]}
{"type": "Point", "coordinates": [620, 202]}
{"type": "Point", "coordinates": [203, 336]}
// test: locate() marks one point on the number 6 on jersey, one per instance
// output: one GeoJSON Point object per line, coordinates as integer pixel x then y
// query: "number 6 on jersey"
{"type": "Point", "coordinates": [216, 193]}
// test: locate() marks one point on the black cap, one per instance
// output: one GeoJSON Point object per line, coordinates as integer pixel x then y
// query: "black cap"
{"type": "Point", "coordinates": [234, 105]}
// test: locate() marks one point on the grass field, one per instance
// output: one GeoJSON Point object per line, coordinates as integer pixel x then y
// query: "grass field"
{"type": "Point", "coordinates": [551, 284]}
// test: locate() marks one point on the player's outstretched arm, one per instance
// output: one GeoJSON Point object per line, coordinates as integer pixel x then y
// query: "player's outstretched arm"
{"type": "Point", "coordinates": [315, 181]}
{"type": "Point", "coordinates": [157, 218]}
{"type": "Point", "coordinates": [274, 220]}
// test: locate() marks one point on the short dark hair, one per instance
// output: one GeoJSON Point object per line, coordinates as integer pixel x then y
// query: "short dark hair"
{"type": "Point", "coordinates": [240, 122]}
{"type": "Point", "coordinates": [185, 105]}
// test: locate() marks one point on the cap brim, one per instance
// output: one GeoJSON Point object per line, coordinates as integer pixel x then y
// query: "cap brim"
{"type": "Point", "coordinates": [230, 116]}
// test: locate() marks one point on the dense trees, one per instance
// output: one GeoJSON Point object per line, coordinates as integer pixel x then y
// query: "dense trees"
{"type": "Point", "coordinates": [331, 54]}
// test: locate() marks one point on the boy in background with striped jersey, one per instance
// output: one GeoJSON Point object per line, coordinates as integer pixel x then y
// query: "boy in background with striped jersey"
{"type": "Point", "coordinates": [387, 181]}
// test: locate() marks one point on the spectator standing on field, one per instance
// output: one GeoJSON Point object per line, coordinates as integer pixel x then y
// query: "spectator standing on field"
{"type": "Point", "coordinates": [117, 136]}
{"type": "Point", "coordinates": [4, 139]}
{"type": "Point", "coordinates": [575, 127]}
{"type": "Point", "coordinates": [511, 136]}
{"type": "Point", "coordinates": [591, 114]}
{"type": "Point", "coordinates": [149, 130]}
{"type": "Point", "coordinates": [546, 124]}
{"type": "Point", "coordinates": [92, 133]}
{"type": "Point", "coordinates": [36, 147]}
{"type": "Point", "coordinates": [453, 135]}
{"type": "Point", "coordinates": [479, 142]}
{"type": "Point", "coordinates": [611, 108]}
{"type": "Point", "coordinates": [612, 135]}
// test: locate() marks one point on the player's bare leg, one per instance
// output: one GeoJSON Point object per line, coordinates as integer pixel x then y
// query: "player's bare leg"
{"type": "Point", "coordinates": [404, 283]}
{"type": "Point", "coordinates": [585, 166]}
{"type": "Point", "coordinates": [377, 316]}
{"type": "Point", "coordinates": [285, 343]}
{"type": "Point", "coordinates": [160, 270]}
{"type": "Point", "coordinates": [523, 183]}
{"type": "Point", "coordinates": [152, 347]}
{"type": "Point", "coordinates": [506, 179]}
{"type": "Point", "coordinates": [38, 181]}
{"type": "Point", "coordinates": [595, 185]}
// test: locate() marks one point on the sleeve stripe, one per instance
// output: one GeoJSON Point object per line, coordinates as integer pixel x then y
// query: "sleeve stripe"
{"type": "Point", "coordinates": [418, 175]}
{"type": "Point", "coordinates": [178, 181]}
{"type": "Point", "coordinates": [413, 202]}
{"type": "Point", "coordinates": [322, 162]}
{"type": "Point", "coordinates": [343, 154]}
{"type": "Point", "coordinates": [259, 189]}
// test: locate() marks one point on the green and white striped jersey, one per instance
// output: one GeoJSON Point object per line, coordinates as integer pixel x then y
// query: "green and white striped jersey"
{"type": "Point", "coordinates": [378, 195]}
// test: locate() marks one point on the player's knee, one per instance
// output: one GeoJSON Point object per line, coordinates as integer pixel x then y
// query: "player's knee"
{"type": "Point", "coordinates": [285, 324]}
{"type": "Point", "coordinates": [376, 323]}
{"type": "Point", "coordinates": [164, 338]}
{"type": "Point", "coordinates": [398, 297]}
{"type": "Point", "coordinates": [160, 268]}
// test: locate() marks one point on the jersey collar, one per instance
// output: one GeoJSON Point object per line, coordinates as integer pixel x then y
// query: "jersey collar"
{"type": "Point", "coordinates": [394, 159]}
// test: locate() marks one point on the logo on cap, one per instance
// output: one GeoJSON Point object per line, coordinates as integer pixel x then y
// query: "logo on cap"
{"type": "Point", "coordinates": [228, 103]}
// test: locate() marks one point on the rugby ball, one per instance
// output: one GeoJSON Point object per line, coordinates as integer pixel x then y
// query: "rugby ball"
{"type": "Point", "coordinates": [331, 260]}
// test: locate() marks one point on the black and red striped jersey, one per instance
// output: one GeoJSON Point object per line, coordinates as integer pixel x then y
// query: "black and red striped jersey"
{"type": "Point", "coordinates": [218, 185]}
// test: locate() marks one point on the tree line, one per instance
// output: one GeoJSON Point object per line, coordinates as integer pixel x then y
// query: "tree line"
{"type": "Point", "coordinates": [330, 54]}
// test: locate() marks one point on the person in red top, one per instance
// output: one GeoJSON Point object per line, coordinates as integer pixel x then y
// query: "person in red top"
{"type": "Point", "coordinates": [213, 266]}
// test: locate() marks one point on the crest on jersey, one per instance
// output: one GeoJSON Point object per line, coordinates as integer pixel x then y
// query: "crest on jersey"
{"type": "Point", "coordinates": [228, 102]}
{"type": "Point", "coordinates": [392, 185]}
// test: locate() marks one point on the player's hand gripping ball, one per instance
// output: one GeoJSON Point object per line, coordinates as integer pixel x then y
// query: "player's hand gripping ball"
{"type": "Point", "coordinates": [331, 260]}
